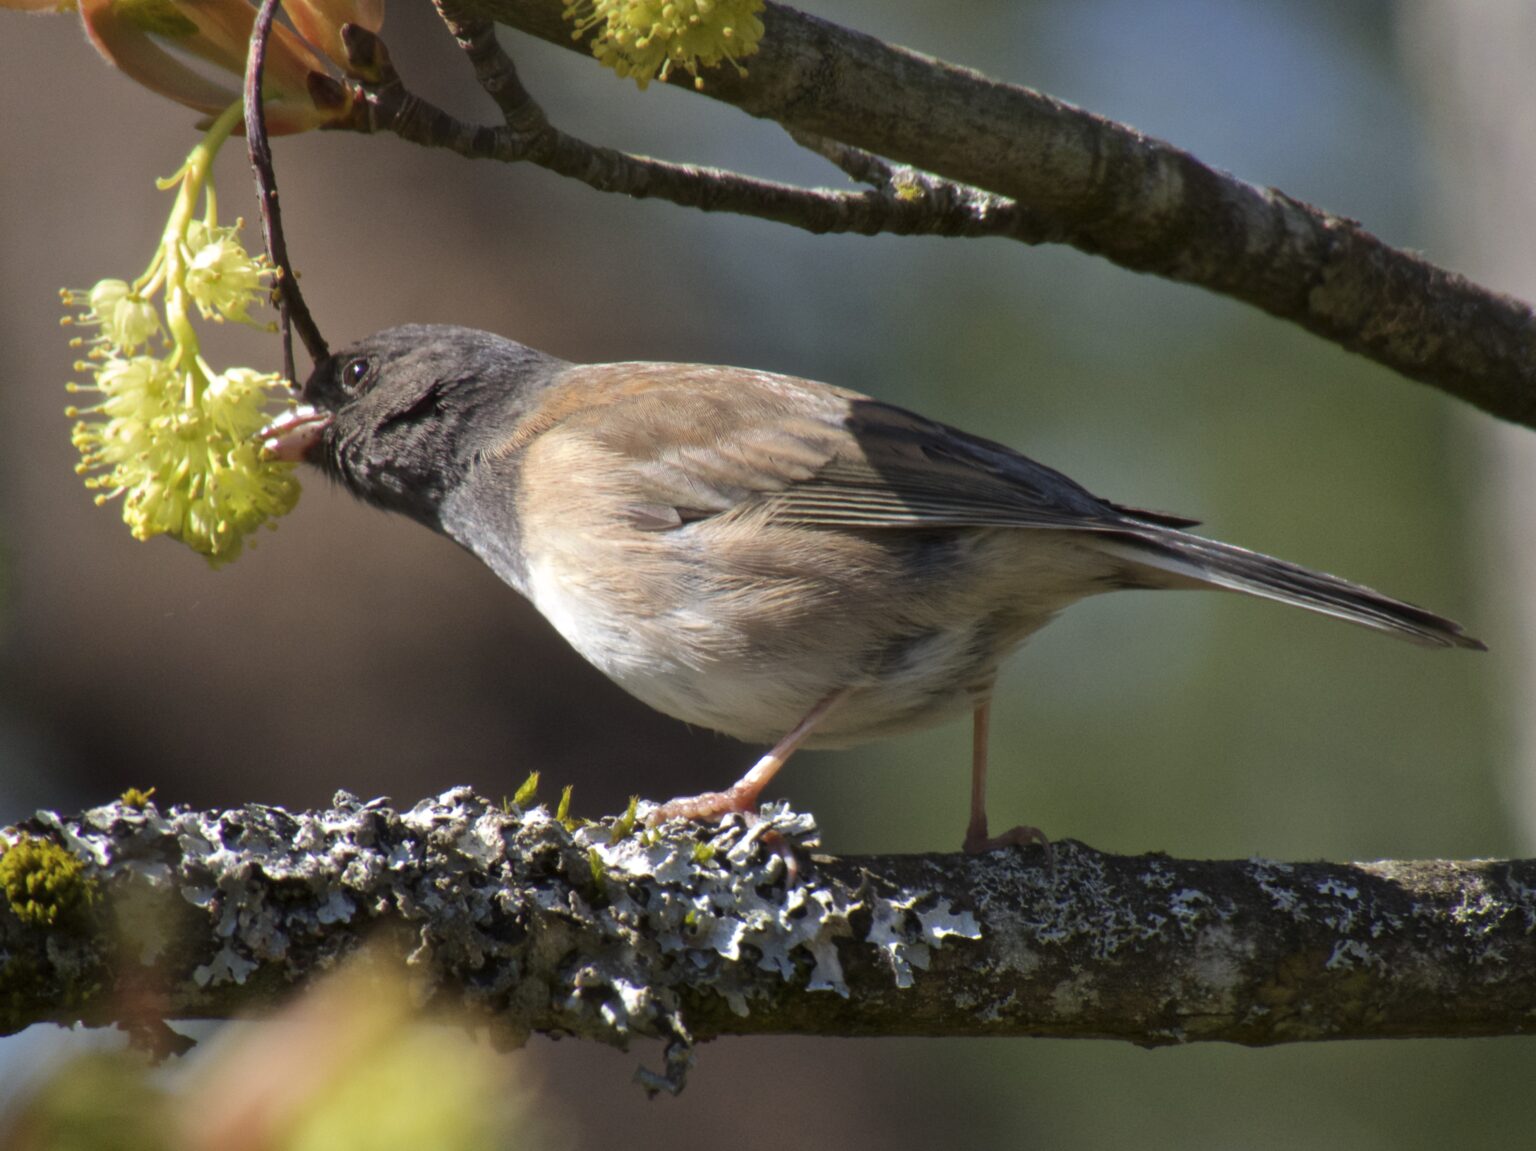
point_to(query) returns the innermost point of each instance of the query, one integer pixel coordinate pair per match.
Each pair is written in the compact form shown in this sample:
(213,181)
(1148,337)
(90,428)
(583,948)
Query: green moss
(44,883)
(528,792)
(625,825)
(137,798)
(563,813)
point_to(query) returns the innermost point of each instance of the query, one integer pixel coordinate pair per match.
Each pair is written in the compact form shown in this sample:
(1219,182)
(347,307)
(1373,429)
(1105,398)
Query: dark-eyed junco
(780,560)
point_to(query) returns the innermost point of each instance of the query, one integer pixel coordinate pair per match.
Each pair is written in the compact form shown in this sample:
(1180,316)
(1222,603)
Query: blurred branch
(1068,176)
(606,934)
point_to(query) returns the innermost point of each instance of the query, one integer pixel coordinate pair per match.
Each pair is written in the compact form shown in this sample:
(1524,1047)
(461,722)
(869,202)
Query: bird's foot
(706,807)
(978,842)
(713,806)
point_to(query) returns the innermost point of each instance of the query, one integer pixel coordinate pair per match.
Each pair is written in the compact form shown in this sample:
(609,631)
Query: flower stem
(173,244)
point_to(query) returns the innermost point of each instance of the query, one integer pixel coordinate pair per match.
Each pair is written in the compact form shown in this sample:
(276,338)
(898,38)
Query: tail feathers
(1196,561)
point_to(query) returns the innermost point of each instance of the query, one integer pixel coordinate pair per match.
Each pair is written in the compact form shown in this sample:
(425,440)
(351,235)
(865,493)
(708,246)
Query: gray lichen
(610,931)
(533,925)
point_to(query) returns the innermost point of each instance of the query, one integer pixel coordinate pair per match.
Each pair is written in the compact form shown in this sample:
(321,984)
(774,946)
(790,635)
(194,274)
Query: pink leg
(977,840)
(742,795)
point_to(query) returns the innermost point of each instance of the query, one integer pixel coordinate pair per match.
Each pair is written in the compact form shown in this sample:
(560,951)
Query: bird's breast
(742,627)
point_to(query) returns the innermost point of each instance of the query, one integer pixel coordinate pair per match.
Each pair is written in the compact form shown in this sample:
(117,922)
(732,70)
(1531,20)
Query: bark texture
(687,933)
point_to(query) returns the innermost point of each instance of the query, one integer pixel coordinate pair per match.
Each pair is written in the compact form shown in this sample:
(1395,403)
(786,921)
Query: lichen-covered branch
(1077,178)
(128,914)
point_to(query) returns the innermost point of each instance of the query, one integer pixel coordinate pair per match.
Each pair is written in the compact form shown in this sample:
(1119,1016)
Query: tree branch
(194,914)
(1102,187)
(902,201)
(292,308)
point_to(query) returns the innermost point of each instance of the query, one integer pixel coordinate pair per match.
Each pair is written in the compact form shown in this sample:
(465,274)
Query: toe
(706,807)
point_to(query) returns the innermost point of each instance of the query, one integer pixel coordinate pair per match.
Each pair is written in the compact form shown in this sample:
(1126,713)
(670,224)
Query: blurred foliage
(349,1066)
(102,1101)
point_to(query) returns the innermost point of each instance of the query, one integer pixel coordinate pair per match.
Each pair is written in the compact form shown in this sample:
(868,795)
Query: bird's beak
(294,436)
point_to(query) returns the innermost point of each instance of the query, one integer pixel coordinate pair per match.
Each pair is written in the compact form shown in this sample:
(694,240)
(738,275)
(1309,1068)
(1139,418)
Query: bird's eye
(354,372)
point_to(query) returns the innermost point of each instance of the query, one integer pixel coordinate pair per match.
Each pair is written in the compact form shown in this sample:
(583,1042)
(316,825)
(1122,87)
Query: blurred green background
(351,650)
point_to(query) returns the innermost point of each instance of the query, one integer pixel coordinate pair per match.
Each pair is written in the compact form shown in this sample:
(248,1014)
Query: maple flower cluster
(646,39)
(174,439)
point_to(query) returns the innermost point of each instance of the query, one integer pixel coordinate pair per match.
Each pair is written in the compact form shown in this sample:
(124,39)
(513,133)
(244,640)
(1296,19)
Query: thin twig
(863,167)
(907,182)
(494,69)
(910,203)
(293,311)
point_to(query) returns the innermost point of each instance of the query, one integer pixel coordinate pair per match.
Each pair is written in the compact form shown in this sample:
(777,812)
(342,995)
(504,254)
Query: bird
(784,561)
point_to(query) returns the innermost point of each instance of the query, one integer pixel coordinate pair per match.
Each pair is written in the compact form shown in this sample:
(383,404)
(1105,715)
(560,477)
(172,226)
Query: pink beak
(294,435)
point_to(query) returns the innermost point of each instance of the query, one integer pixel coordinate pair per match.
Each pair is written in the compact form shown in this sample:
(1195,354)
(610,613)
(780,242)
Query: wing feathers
(701,441)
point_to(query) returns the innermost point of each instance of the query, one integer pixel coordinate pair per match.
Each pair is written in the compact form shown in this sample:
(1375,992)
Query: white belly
(698,662)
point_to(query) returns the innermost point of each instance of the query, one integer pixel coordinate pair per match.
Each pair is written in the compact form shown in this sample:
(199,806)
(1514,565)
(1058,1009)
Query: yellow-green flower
(171,437)
(189,470)
(126,319)
(222,277)
(645,39)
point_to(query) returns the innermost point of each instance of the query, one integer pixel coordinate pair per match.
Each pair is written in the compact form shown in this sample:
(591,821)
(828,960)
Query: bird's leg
(976,838)
(742,795)
(976,832)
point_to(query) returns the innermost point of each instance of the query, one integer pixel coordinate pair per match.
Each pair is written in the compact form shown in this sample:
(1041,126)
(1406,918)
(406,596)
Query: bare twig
(1109,190)
(864,167)
(292,309)
(917,204)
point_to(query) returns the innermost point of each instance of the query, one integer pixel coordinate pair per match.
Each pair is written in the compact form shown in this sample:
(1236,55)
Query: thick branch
(202,914)
(1112,191)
